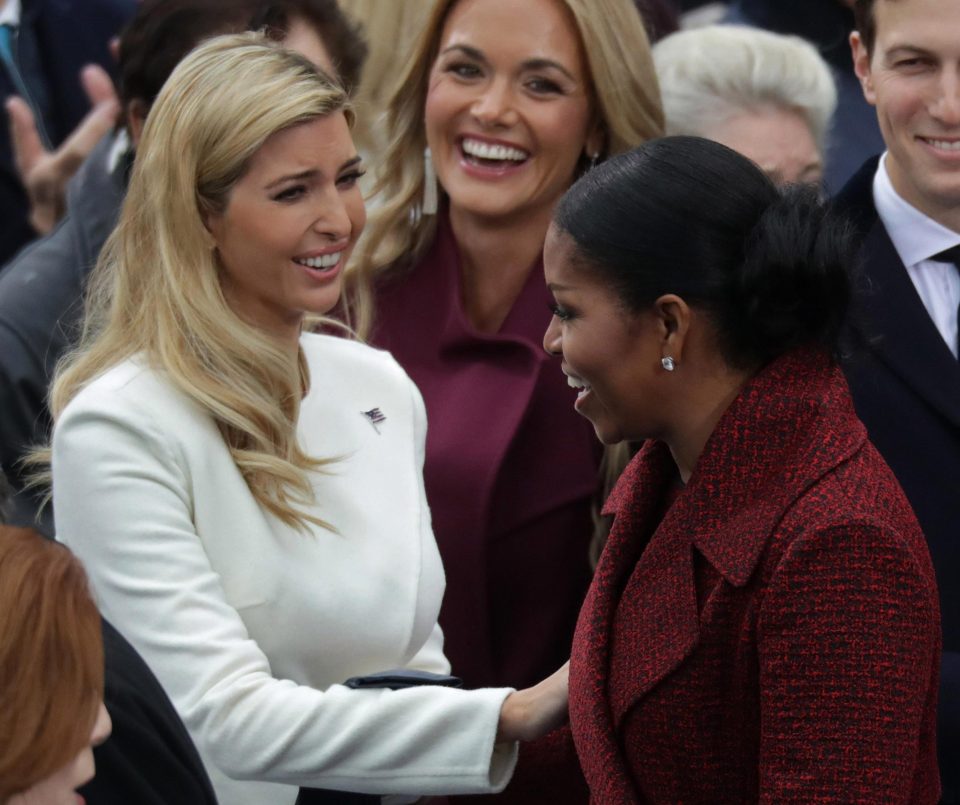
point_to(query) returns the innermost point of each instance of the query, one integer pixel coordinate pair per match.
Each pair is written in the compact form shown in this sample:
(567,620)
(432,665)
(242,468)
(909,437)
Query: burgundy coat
(511,470)
(774,636)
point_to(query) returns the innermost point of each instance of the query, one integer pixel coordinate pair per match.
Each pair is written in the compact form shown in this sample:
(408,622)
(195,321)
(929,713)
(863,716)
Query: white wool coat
(251,625)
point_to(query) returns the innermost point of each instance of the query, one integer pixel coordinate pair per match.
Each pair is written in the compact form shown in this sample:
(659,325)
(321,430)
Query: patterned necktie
(951,255)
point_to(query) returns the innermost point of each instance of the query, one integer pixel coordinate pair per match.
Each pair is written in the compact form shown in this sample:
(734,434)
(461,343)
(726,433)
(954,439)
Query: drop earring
(668,363)
(594,157)
(430,192)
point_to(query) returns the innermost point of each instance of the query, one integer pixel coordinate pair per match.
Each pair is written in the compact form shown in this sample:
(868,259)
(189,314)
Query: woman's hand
(533,712)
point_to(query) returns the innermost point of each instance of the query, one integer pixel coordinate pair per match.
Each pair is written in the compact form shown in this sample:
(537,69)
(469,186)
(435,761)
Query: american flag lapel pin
(374,417)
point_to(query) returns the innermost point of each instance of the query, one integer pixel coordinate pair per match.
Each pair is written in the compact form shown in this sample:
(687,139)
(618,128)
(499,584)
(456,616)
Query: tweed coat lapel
(649,473)
(767,449)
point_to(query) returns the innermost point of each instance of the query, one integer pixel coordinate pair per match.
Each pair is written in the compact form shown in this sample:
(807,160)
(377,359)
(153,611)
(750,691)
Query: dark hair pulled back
(689,216)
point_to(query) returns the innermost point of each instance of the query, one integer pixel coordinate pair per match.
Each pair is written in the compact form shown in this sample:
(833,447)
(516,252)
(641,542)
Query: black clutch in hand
(399,678)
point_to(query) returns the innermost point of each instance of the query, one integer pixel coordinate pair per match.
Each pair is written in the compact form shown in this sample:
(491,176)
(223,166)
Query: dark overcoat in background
(149,758)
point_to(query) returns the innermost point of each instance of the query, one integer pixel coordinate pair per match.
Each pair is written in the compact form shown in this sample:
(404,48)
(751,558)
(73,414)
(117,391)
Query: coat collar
(790,425)
(524,324)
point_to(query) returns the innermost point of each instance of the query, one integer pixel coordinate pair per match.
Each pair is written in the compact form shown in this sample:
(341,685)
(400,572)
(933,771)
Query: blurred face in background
(303,38)
(777,139)
(508,112)
(60,788)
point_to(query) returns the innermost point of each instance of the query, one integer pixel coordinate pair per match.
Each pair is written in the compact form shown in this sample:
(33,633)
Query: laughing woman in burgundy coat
(513,107)
(763,624)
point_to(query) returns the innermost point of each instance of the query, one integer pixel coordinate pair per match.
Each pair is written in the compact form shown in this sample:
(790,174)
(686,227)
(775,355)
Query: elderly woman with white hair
(768,96)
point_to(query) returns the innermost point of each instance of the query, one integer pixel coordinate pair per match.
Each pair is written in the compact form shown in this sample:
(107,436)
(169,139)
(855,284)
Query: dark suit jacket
(774,635)
(40,316)
(906,388)
(149,758)
(57,39)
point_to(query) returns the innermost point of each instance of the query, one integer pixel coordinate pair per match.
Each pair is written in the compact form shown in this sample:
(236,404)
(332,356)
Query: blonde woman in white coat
(247,498)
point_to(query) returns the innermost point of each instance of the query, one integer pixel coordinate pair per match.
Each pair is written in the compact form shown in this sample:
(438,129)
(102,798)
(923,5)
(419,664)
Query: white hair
(710,74)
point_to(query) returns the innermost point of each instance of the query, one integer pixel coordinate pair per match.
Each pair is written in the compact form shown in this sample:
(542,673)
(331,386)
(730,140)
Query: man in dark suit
(901,360)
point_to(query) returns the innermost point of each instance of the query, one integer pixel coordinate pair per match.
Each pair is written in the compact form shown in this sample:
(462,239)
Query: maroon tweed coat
(774,637)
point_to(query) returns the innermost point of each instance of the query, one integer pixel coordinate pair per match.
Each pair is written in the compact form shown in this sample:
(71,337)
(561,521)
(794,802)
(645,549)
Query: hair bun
(792,286)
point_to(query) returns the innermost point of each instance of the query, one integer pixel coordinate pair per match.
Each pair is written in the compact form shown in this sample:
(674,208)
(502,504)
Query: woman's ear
(212,222)
(673,324)
(595,146)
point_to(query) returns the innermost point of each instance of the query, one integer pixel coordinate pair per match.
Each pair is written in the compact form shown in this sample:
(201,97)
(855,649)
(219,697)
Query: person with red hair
(51,672)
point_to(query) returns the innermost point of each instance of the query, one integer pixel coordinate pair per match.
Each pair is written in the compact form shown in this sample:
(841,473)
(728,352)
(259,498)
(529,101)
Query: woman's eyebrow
(350,163)
(547,64)
(535,63)
(471,52)
(290,177)
(311,173)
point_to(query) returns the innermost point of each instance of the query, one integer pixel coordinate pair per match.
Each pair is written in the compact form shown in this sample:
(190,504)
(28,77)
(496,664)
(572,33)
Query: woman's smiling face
(509,112)
(290,224)
(611,355)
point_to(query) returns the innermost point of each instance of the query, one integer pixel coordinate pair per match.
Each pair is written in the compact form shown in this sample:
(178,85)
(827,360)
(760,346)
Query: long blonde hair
(625,95)
(389,28)
(155,291)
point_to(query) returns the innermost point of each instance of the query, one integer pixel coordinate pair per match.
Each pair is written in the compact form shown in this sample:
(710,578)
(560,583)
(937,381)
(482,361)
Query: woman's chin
(607,433)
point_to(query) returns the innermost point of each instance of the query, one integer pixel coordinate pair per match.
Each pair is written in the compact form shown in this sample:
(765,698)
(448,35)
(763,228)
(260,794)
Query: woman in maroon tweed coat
(763,624)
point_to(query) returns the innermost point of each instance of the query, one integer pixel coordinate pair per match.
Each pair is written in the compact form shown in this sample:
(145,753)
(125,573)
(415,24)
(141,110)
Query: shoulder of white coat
(352,361)
(131,390)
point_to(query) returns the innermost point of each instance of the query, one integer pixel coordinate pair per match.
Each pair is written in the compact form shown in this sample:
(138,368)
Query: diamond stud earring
(668,363)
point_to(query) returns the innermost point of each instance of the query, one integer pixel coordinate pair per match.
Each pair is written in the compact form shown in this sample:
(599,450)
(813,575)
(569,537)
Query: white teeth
(501,153)
(324,261)
(945,145)
(576,383)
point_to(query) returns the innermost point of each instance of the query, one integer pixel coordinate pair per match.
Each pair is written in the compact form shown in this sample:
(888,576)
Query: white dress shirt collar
(916,236)
(10,13)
